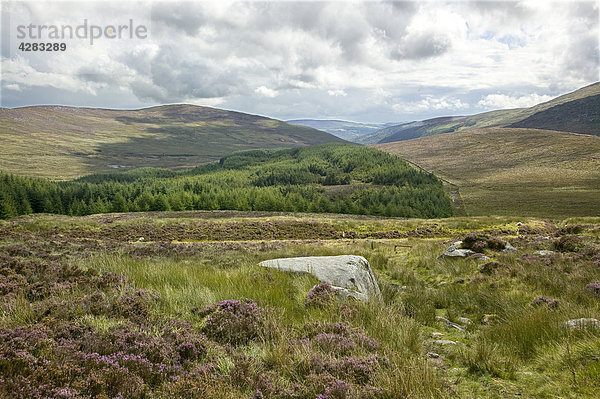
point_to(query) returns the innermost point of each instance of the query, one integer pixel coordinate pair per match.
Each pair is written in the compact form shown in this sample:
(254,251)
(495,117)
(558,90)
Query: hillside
(340,178)
(67,142)
(351,131)
(578,116)
(513,171)
(577,112)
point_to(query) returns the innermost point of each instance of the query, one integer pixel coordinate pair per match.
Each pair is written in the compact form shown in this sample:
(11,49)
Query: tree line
(337,178)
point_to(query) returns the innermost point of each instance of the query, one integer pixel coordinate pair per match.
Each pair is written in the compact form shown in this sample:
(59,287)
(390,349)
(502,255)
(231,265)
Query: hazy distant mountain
(351,131)
(577,112)
(66,142)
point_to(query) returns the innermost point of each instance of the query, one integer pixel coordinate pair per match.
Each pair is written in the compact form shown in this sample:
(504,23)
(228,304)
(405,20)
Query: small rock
(465,320)
(489,318)
(449,323)
(398,288)
(141,239)
(433,355)
(444,342)
(519,224)
(582,324)
(480,257)
(545,238)
(544,252)
(525,372)
(594,288)
(454,251)
(442,283)
(508,248)
(437,334)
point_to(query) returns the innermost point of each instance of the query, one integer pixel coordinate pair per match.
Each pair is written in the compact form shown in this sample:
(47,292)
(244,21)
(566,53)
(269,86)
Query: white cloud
(265,92)
(13,86)
(431,103)
(494,101)
(337,93)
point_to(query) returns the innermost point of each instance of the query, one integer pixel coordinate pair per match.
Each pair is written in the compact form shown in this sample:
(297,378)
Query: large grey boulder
(349,275)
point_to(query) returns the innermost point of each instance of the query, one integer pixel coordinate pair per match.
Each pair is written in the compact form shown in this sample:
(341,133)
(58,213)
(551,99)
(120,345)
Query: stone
(437,334)
(454,251)
(543,253)
(464,320)
(444,342)
(582,324)
(349,275)
(141,239)
(398,288)
(433,355)
(508,248)
(594,288)
(449,323)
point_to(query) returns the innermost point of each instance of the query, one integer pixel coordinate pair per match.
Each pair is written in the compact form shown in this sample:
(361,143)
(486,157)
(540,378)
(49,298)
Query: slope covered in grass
(89,311)
(575,112)
(513,171)
(339,178)
(66,142)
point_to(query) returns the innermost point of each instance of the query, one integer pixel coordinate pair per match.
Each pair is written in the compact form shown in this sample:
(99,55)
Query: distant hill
(578,116)
(506,171)
(66,142)
(350,131)
(577,112)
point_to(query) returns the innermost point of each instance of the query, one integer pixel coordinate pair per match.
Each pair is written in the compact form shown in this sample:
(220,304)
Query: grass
(518,350)
(174,137)
(510,172)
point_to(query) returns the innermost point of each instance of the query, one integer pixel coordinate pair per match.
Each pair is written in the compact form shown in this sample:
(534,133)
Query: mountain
(65,142)
(351,131)
(509,171)
(577,112)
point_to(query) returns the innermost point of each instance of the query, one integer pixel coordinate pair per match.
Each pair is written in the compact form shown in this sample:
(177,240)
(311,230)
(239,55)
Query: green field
(62,143)
(110,309)
(503,171)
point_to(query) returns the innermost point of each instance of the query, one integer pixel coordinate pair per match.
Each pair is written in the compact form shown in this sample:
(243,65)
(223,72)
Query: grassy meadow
(95,308)
(502,171)
(63,143)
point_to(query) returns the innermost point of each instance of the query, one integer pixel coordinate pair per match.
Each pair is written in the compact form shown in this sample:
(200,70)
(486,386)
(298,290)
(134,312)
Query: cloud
(265,92)
(494,101)
(430,102)
(375,61)
(337,93)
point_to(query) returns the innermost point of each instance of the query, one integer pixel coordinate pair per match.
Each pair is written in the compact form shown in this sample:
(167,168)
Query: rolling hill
(577,112)
(510,171)
(351,131)
(65,142)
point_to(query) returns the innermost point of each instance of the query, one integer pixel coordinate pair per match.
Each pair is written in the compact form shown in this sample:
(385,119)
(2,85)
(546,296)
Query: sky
(361,61)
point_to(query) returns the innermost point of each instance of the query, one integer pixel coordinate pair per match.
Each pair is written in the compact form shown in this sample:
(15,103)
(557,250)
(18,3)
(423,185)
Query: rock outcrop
(349,275)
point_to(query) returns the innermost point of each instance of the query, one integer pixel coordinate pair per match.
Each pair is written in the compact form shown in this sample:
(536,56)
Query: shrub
(233,322)
(320,295)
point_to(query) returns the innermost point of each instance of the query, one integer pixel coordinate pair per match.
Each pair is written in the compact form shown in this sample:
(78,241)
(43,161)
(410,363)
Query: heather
(91,311)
